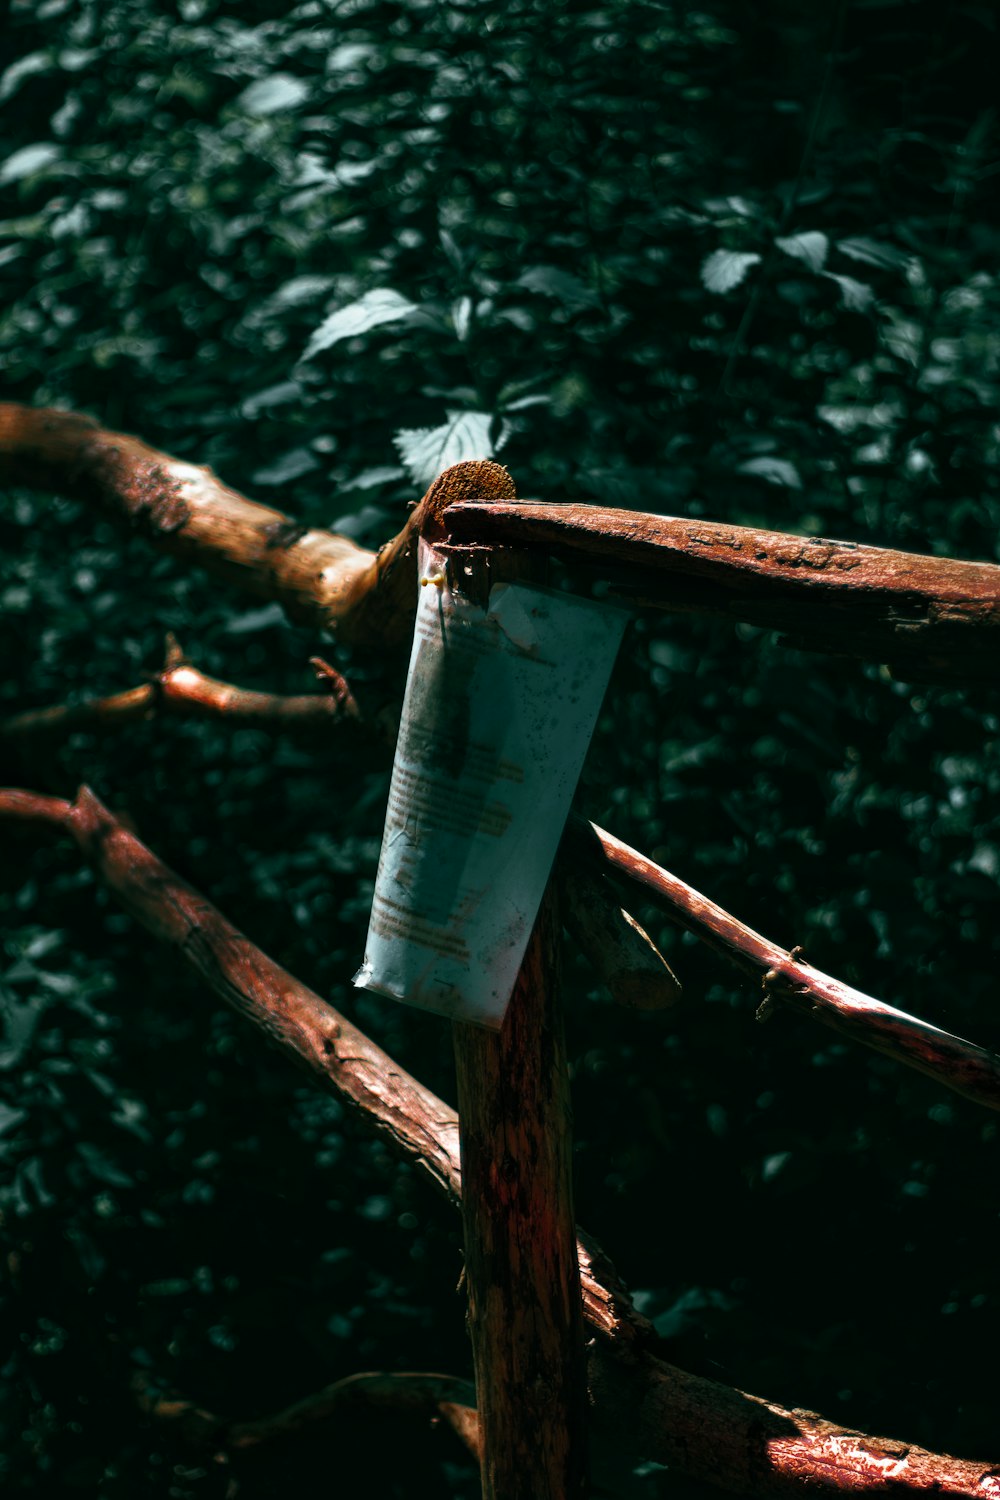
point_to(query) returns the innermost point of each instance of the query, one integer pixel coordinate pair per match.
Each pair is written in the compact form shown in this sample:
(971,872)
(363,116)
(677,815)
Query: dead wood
(321,578)
(930,618)
(786,977)
(182,691)
(521,1266)
(418,1393)
(643,1407)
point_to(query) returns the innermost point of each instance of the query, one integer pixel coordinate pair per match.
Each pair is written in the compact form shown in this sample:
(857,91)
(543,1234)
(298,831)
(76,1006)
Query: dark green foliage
(735,262)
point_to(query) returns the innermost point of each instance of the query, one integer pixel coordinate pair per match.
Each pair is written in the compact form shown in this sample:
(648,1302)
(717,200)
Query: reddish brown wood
(417,1124)
(738,1442)
(184,692)
(926,615)
(521,1267)
(646,1409)
(950,1060)
(319,577)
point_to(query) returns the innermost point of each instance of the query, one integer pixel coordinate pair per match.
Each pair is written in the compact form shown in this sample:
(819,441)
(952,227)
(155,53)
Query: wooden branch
(321,578)
(647,1408)
(931,617)
(753,1447)
(412,1120)
(622,954)
(950,1060)
(181,690)
(521,1270)
(438,1397)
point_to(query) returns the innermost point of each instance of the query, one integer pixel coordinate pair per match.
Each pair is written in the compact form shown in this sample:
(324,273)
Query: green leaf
(561,286)
(811,248)
(725,269)
(380,305)
(268,96)
(874,253)
(856,296)
(774,470)
(28,160)
(426,451)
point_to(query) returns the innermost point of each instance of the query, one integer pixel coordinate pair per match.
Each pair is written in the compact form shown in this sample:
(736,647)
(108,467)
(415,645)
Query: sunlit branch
(786,977)
(928,617)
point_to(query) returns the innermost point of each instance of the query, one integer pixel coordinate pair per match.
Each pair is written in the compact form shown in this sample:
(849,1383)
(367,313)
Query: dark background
(735,262)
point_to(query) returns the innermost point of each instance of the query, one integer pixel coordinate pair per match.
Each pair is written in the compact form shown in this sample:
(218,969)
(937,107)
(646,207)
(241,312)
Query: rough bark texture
(741,1443)
(412,1120)
(645,1409)
(786,977)
(929,617)
(521,1268)
(320,578)
(181,690)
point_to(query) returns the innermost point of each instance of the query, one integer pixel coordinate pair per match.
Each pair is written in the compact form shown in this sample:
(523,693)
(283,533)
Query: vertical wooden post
(521,1264)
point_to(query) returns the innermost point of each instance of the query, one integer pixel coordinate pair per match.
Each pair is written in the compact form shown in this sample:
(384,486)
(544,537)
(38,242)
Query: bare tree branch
(181,690)
(930,617)
(644,1407)
(950,1060)
(439,1397)
(320,578)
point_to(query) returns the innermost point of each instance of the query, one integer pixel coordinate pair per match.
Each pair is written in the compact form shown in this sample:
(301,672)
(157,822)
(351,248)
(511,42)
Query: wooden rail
(927,617)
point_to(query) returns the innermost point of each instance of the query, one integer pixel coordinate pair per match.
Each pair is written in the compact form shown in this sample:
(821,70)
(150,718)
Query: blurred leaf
(874,253)
(811,248)
(270,95)
(29,160)
(291,465)
(380,305)
(725,269)
(562,286)
(856,296)
(774,470)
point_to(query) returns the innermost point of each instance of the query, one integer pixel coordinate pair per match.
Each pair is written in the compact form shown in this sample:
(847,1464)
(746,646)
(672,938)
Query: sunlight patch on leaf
(29,159)
(380,305)
(289,466)
(426,451)
(874,253)
(725,269)
(856,296)
(811,248)
(268,96)
(561,286)
(774,470)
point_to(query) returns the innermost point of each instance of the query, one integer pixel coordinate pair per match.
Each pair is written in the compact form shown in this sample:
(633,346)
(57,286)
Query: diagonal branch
(321,578)
(644,1408)
(949,1060)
